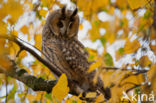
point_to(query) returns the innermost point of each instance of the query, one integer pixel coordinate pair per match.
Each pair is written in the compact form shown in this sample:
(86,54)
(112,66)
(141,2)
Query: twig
(21,49)
(128,75)
(132,70)
(136,86)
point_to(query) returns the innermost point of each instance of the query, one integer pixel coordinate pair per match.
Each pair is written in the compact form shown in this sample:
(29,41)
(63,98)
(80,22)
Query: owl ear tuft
(63,10)
(74,12)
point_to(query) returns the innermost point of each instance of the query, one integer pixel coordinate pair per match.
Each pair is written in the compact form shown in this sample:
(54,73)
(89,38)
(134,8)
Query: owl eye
(60,24)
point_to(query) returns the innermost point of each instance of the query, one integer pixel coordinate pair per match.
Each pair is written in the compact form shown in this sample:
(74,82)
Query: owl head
(63,22)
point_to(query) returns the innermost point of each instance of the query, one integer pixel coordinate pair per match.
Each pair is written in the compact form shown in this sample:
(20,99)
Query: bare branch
(19,52)
(123,69)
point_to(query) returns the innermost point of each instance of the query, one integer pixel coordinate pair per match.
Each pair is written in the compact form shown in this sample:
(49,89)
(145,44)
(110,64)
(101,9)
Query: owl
(61,47)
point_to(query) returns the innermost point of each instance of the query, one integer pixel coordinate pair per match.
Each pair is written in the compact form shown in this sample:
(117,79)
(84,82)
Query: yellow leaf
(134,4)
(100,4)
(92,54)
(12,53)
(13,50)
(111,38)
(47,3)
(23,54)
(91,95)
(152,77)
(153,48)
(43,12)
(47,72)
(5,63)
(14,8)
(138,79)
(15,33)
(81,26)
(38,39)
(100,98)
(3,28)
(37,68)
(31,97)
(122,3)
(24,29)
(61,89)
(3,50)
(131,47)
(151,72)
(154,84)
(74,98)
(28,70)
(116,92)
(39,96)
(94,66)
(144,61)
(107,78)
(153,36)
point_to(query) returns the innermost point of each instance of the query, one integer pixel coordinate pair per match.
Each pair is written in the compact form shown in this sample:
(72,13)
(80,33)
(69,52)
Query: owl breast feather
(75,56)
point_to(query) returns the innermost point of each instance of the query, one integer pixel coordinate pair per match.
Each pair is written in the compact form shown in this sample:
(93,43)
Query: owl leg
(105,91)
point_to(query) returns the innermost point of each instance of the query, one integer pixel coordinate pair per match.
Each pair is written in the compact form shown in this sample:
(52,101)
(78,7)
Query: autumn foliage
(120,36)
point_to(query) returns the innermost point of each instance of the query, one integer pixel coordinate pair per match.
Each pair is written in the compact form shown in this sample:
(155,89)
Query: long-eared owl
(62,48)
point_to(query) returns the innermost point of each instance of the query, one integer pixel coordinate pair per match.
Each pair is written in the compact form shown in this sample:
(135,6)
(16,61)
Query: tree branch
(136,86)
(38,57)
(37,84)
(132,70)
(32,81)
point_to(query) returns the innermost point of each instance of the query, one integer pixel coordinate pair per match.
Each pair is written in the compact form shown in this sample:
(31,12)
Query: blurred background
(116,33)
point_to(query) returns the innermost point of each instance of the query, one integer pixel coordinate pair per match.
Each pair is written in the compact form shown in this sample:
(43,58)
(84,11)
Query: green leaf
(121,23)
(74,101)
(103,41)
(147,14)
(108,59)
(12,93)
(2,97)
(96,23)
(121,51)
(48,96)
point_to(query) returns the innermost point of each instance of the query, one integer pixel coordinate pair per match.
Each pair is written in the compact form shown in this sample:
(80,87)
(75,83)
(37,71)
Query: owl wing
(74,55)
(55,56)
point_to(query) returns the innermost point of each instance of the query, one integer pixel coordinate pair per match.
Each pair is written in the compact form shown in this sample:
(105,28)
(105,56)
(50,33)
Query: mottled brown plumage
(63,49)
